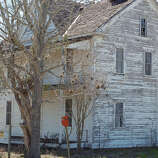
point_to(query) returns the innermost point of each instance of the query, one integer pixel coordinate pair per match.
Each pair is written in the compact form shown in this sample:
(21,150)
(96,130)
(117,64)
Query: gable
(132,14)
(94,16)
(97,15)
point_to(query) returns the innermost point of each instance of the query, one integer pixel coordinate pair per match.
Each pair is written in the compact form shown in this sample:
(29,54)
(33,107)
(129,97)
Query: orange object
(65,121)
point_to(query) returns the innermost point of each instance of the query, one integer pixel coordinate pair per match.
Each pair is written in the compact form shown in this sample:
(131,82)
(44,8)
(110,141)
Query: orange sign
(65,121)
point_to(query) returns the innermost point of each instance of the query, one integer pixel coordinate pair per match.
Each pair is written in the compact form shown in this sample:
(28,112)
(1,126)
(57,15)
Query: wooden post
(65,123)
(9,140)
(67,140)
(8,122)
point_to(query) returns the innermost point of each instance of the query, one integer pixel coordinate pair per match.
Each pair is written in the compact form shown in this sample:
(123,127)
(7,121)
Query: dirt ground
(17,152)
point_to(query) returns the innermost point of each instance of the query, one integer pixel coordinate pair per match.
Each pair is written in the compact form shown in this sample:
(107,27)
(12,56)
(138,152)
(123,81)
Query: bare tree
(82,86)
(24,57)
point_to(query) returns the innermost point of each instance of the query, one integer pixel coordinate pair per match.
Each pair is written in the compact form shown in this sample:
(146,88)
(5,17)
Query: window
(143,27)
(69,61)
(68,110)
(148,63)
(8,113)
(119,60)
(119,115)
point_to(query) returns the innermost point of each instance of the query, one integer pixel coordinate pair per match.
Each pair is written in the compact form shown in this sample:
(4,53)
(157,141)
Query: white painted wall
(137,91)
(51,114)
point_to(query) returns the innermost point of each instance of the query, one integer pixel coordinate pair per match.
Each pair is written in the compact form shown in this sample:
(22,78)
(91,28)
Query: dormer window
(143,27)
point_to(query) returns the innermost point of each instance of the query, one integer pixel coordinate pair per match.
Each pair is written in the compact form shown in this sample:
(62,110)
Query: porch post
(61,109)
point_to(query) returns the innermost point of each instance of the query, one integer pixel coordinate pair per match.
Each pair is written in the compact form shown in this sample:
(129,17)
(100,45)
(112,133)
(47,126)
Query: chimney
(116,2)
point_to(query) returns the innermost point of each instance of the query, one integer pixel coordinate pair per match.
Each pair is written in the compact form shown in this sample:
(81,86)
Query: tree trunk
(78,142)
(80,134)
(35,118)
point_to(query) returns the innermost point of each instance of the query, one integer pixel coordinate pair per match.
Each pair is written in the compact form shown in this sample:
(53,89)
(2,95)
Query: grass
(150,153)
(106,153)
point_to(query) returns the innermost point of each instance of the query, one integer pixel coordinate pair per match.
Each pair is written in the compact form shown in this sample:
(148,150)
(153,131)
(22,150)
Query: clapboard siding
(137,91)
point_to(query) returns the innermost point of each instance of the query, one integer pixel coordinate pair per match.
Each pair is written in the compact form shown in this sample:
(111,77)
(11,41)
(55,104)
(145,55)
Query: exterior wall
(16,117)
(137,91)
(51,113)
(53,108)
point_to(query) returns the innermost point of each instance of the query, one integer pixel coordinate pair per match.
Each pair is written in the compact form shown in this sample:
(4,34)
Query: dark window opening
(68,110)
(148,63)
(119,115)
(143,28)
(8,113)
(119,61)
(116,2)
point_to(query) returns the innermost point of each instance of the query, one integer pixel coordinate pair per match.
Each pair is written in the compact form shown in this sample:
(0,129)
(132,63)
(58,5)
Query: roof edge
(85,35)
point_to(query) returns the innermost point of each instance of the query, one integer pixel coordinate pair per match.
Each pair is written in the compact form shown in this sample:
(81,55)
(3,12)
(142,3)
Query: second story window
(148,63)
(68,110)
(8,113)
(119,115)
(69,61)
(143,27)
(119,60)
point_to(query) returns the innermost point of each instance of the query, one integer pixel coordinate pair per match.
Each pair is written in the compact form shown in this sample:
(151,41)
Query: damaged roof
(64,13)
(93,16)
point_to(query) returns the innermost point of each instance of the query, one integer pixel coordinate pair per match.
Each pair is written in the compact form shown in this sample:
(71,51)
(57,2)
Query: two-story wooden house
(123,38)
(122,35)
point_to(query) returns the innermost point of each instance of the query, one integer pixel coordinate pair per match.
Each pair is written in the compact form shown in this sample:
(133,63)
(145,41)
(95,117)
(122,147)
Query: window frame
(146,27)
(123,124)
(69,65)
(145,64)
(120,73)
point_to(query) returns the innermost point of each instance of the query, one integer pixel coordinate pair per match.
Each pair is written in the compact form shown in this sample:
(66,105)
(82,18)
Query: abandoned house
(122,35)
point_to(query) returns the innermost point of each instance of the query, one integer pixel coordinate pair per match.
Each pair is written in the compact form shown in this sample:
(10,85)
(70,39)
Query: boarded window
(119,60)
(8,113)
(148,63)
(119,115)
(68,110)
(69,61)
(143,27)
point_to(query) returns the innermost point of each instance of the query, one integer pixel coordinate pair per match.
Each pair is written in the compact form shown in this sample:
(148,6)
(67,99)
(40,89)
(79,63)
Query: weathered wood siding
(138,92)
(53,108)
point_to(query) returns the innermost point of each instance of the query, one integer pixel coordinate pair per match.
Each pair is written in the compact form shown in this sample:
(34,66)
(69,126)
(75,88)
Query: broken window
(119,60)
(143,29)
(119,115)
(68,110)
(8,113)
(148,63)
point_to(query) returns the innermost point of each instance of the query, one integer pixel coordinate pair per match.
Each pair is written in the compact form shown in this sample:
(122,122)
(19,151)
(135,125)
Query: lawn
(106,153)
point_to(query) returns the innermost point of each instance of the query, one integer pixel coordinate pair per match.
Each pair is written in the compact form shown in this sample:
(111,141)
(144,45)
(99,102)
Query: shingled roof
(94,16)
(64,13)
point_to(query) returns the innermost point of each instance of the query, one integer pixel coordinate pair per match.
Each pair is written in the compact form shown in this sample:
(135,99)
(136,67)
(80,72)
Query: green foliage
(151,153)
(154,153)
(142,155)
